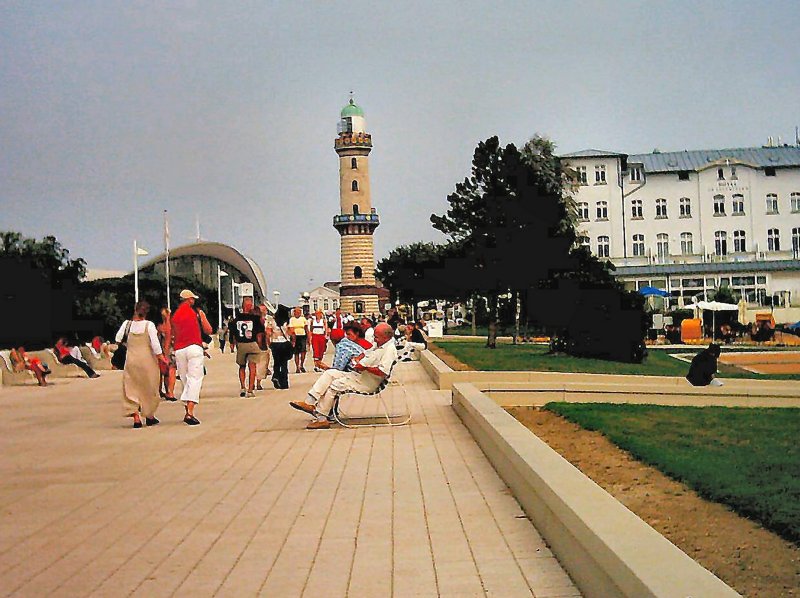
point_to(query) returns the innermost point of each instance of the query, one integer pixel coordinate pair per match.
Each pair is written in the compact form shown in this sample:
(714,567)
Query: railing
(357,139)
(356,219)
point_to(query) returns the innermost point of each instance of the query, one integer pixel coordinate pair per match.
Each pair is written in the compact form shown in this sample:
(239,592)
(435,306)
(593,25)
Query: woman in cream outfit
(140,379)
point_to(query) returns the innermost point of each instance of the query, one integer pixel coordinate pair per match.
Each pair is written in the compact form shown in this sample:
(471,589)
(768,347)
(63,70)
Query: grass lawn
(525,357)
(748,459)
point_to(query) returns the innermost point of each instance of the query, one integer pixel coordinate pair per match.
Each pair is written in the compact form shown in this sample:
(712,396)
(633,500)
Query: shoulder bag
(119,356)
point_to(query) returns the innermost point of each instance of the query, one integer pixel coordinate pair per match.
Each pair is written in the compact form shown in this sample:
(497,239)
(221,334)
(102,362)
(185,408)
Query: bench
(386,419)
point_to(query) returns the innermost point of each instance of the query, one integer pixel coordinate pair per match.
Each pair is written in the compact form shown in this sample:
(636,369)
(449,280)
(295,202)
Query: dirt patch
(451,361)
(752,560)
(784,362)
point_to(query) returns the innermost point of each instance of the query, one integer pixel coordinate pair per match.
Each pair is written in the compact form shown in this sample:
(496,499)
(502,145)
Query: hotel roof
(758,157)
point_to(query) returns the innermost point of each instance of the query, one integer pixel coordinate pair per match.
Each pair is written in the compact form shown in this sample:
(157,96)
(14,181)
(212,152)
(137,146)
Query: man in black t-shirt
(248,330)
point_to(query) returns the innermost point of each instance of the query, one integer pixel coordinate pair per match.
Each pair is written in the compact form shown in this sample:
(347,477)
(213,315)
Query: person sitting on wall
(70,355)
(369,371)
(21,362)
(703,368)
(415,344)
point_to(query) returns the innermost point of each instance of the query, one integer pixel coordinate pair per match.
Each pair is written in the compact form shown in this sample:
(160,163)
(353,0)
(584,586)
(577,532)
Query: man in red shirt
(187,323)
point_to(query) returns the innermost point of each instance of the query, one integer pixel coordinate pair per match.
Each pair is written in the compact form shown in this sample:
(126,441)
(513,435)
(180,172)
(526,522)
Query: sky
(113,111)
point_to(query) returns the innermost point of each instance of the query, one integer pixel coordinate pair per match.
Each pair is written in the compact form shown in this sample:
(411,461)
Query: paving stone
(251,503)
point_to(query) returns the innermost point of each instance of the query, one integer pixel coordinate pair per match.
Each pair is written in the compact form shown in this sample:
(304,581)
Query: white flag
(140,251)
(166,232)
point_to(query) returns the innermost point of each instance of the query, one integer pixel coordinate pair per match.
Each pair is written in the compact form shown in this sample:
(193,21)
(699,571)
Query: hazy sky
(111,112)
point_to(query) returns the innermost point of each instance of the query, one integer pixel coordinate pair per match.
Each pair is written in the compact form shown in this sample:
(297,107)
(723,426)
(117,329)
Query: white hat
(187,294)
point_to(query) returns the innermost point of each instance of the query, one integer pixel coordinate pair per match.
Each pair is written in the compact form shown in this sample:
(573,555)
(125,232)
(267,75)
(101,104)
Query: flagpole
(166,248)
(135,272)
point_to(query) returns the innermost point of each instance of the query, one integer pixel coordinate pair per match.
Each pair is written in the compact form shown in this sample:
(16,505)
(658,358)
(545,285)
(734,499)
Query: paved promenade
(249,503)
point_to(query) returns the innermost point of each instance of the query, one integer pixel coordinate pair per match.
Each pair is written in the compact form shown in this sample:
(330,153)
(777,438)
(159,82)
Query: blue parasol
(647,291)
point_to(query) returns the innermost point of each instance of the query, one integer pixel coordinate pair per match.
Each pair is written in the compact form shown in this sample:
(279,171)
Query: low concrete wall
(658,391)
(438,371)
(608,551)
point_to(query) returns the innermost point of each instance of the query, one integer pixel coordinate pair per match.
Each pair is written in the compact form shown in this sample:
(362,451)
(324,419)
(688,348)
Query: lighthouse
(357,219)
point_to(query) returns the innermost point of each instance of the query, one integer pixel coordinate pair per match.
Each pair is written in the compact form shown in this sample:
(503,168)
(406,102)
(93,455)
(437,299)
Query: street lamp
(233,295)
(220,274)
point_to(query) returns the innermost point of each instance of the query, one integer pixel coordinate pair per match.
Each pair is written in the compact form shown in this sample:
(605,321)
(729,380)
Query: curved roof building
(201,260)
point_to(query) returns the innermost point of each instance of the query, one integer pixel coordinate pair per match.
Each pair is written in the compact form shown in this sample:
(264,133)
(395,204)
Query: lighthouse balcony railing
(356,219)
(344,139)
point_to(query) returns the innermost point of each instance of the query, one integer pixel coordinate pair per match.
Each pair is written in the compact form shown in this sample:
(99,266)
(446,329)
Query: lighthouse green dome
(352,109)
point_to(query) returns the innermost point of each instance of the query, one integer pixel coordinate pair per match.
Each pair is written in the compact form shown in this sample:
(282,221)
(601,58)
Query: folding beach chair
(384,419)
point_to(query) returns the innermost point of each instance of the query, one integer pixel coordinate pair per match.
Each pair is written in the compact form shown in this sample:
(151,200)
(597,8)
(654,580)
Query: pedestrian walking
(249,333)
(281,347)
(140,376)
(262,369)
(167,367)
(222,334)
(298,329)
(319,337)
(188,326)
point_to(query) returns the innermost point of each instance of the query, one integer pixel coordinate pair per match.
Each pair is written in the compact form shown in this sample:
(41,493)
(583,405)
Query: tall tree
(47,255)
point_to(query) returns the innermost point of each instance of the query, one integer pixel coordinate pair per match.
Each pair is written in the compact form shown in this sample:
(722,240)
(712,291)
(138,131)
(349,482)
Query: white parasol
(714,307)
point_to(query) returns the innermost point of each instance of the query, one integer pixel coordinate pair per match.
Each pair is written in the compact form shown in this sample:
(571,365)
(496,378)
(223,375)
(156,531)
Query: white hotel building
(692,221)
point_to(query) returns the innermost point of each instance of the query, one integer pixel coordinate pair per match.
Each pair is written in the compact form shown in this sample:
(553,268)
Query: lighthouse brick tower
(357,219)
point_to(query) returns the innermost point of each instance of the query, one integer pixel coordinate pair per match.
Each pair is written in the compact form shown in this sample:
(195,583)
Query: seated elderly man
(369,371)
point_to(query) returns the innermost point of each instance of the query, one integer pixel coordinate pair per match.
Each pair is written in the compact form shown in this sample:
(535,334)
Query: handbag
(118,358)
(206,338)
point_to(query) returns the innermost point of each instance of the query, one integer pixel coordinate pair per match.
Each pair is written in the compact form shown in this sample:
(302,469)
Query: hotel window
(603,246)
(721,242)
(720,174)
(580,172)
(638,245)
(316,304)
(769,171)
(686,207)
(662,246)
(325,305)
(795,202)
(686,243)
(583,241)
(774,239)
(636,174)
(719,205)
(739,241)
(636,208)
(602,210)
(661,208)
(733,174)
(683,175)
(353,163)
(772,203)
(600,174)
(583,211)
(738,204)
(796,242)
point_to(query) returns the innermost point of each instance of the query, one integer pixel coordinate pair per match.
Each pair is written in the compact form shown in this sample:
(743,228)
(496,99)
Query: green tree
(46,255)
